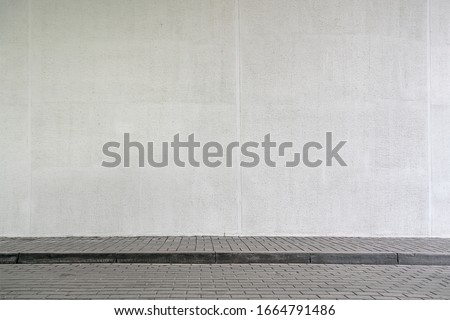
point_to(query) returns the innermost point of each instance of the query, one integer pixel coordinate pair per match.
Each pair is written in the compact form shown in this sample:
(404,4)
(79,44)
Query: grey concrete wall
(440,117)
(76,74)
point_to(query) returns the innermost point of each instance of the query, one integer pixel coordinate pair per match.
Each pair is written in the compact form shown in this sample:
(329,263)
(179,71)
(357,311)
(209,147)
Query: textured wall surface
(358,69)
(440,117)
(76,74)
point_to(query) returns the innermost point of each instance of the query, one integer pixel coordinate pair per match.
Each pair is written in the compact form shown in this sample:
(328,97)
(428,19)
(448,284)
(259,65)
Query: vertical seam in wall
(430,164)
(30,195)
(238,111)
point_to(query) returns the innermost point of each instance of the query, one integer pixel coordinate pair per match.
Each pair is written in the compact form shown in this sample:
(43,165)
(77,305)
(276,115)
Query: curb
(370,258)
(167,257)
(354,258)
(8,258)
(263,257)
(437,259)
(49,258)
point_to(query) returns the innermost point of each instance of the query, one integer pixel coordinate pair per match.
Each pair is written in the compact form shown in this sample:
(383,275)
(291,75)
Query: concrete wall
(440,117)
(76,74)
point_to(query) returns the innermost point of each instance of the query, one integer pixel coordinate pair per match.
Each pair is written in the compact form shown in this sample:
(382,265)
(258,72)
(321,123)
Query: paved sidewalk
(223,281)
(208,249)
